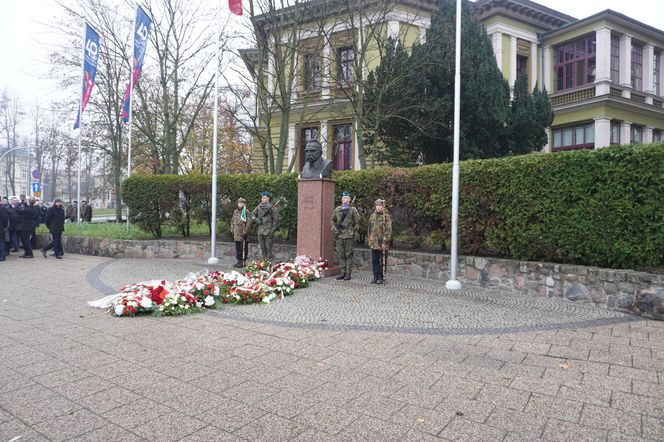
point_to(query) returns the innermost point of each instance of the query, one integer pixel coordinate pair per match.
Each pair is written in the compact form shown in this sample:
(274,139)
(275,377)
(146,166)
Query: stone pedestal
(315,204)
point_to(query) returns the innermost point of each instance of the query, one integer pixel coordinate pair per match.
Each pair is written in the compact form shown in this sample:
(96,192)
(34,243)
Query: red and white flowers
(262,283)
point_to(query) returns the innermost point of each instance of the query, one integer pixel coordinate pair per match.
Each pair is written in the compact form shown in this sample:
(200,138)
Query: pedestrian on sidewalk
(55,221)
(4,235)
(25,226)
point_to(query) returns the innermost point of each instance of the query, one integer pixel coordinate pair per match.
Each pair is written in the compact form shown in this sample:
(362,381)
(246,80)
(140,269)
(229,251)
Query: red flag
(235,6)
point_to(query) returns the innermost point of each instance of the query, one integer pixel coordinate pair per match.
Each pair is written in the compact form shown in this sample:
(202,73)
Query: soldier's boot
(347,277)
(341,276)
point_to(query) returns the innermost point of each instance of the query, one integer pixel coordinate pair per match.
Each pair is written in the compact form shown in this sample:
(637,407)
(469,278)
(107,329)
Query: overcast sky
(25,38)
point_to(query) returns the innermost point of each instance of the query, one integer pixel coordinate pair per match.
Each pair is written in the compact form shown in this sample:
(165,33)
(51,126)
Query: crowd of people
(21,216)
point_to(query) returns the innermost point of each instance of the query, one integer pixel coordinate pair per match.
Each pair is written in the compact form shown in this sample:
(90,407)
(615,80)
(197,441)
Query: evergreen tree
(530,115)
(419,124)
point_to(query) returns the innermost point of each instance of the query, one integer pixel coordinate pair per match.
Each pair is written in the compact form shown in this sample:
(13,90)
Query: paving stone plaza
(407,361)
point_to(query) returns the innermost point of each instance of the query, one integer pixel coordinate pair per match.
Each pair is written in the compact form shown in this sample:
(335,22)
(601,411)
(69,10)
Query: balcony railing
(573,96)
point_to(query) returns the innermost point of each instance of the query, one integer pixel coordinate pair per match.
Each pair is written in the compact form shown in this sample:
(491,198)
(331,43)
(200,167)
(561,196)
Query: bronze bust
(315,166)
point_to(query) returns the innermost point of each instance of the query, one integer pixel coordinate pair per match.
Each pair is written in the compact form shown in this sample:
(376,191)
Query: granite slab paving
(337,361)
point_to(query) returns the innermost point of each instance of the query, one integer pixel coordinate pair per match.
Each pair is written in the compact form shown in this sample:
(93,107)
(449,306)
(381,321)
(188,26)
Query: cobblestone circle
(404,304)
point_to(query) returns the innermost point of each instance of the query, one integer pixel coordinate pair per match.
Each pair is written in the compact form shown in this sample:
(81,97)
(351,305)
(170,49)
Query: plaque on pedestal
(315,204)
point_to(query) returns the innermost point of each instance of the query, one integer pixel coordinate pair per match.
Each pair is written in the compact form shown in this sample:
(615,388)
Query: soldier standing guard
(380,231)
(241,224)
(265,217)
(345,224)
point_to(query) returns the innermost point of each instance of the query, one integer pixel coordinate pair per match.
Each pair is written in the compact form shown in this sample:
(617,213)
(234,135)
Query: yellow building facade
(604,73)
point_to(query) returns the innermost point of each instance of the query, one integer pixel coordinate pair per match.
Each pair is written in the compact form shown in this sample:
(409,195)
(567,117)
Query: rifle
(340,225)
(260,219)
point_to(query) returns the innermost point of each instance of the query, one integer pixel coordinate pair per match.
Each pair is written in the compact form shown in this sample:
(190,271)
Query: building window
(656,136)
(615,132)
(575,63)
(345,59)
(343,143)
(24,174)
(655,71)
(521,66)
(306,134)
(576,137)
(637,66)
(311,72)
(636,134)
(615,59)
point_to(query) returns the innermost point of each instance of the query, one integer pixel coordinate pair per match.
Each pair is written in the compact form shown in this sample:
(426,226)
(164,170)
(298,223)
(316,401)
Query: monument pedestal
(315,204)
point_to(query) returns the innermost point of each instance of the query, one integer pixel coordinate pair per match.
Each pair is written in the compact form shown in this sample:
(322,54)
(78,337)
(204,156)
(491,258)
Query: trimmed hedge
(603,207)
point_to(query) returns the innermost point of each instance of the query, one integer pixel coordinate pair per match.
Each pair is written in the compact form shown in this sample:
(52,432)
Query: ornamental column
(546,69)
(648,73)
(603,61)
(626,132)
(512,77)
(602,132)
(626,65)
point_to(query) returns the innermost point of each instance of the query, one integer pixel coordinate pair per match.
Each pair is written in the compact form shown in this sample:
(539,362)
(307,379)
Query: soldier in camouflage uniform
(265,217)
(380,231)
(241,224)
(345,224)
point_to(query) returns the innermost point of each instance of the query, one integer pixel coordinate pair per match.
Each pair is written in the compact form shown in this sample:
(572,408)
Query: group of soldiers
(265,217)
(345,224)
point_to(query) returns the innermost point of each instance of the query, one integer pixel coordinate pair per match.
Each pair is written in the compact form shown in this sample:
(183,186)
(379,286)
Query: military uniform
(241,225)
(266,218)
(380,232)
(345,224)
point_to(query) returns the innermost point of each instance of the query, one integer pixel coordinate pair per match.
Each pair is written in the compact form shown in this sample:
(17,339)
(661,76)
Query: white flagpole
(453,283)
(80,134)
(213,240)
(131,93)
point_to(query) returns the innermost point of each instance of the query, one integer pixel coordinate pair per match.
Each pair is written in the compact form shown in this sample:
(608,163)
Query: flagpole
(131,93)
(213,240)
(453,283)
(80,133)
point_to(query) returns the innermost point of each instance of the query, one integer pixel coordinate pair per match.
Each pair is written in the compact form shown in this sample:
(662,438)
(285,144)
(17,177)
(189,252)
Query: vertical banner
(235,6)
(90,57)
(141,31)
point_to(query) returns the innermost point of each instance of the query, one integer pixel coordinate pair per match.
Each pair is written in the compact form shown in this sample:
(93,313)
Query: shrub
(599,207)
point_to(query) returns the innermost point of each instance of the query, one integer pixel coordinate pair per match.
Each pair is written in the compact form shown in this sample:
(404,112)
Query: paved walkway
(337,361)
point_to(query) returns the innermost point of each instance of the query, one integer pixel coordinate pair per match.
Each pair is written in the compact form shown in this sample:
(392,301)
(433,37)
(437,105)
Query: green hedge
(603,207)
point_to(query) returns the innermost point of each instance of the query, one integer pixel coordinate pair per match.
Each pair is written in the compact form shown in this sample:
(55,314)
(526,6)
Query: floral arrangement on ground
(261,283)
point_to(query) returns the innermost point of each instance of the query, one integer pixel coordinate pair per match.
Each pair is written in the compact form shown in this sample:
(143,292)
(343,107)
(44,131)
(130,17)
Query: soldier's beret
(379,202)
(345,193)
(241,200)
(266,194)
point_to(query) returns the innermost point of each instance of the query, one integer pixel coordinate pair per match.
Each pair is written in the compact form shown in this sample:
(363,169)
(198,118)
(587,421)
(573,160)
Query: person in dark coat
(13,221)
(25,226)
(86,212)
(55,221)
(4,225)
(36,220)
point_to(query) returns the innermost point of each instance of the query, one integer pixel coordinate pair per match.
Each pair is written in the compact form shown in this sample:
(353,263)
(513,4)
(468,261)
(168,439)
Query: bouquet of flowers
(132,304)
(181,303)
(206,291)
(281,286)
(254,291)
(255,266)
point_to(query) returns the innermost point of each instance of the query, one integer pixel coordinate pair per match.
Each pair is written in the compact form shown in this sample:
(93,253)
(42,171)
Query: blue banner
(141,32)
(90,57)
